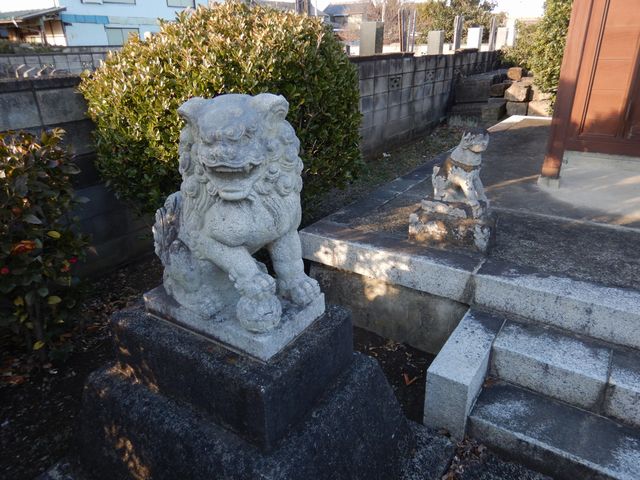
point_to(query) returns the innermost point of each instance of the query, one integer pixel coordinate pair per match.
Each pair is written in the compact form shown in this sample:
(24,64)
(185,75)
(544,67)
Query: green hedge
(229,48)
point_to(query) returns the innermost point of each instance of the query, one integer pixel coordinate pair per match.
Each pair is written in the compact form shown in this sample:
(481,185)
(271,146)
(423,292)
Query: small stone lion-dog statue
(458,212)
(240,192)
(458,178)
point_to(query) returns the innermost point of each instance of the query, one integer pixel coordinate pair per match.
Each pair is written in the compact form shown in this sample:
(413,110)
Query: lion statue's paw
(301,291)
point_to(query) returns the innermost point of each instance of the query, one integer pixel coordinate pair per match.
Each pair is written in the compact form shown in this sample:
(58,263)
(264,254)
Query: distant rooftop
(21,15)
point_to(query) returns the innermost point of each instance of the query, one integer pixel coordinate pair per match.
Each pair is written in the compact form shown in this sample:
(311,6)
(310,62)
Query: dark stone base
(176,405)
(356,431)
(259,401)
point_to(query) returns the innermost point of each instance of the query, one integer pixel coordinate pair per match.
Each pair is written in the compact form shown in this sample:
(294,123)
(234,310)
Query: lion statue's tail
(167,226)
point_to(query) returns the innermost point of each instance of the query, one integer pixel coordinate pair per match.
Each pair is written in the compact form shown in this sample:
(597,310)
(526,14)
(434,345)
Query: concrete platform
(548,263)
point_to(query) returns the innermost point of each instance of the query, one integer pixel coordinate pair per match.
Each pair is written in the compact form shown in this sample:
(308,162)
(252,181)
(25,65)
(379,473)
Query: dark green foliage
(439,15)
(38,242)
(229,48)
(520,54)
(548,48)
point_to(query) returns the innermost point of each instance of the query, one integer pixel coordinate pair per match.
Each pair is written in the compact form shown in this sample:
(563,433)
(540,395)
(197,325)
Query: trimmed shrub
(229,48)
(550,40)
(38,244)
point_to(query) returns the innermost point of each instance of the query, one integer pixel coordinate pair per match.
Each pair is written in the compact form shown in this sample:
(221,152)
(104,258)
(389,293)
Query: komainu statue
(240,193)
(458,213)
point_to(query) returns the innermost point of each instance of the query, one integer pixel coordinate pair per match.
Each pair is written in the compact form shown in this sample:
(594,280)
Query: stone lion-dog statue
(458,178)
(240,192)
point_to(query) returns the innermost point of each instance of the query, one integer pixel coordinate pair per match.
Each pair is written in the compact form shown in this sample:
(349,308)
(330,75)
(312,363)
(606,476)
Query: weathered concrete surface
(549,362)
(406,315)
(623,395)
(455,377)
(557,439)
(610,314)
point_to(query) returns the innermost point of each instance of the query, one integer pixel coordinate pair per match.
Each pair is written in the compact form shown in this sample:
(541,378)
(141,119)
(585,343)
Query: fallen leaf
(408,381)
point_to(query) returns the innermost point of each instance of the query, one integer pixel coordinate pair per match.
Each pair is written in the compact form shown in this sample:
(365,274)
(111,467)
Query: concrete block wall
(403,96)
(33,104)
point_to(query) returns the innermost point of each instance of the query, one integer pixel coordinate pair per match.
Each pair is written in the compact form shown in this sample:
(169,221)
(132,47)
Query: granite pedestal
(179,405)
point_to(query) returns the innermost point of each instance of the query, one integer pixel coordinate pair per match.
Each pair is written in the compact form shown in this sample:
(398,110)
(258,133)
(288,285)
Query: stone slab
(356,431)
(518,92)
(623,394)
(258,401)
(555,438)
(515,73)
(392,260)
(18,110)
(226,328)
(498,89)
(546,361)
(517,108)
(61,105)
(493,111)
(455,377)
(605,313)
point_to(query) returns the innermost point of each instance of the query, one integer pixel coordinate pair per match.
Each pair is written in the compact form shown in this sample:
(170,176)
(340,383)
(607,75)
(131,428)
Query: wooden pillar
(569,71)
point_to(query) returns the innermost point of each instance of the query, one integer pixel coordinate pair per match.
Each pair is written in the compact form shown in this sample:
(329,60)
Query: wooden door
(605,116)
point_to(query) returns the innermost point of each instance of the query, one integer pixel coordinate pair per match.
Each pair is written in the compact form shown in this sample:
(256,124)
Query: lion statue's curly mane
(240,192)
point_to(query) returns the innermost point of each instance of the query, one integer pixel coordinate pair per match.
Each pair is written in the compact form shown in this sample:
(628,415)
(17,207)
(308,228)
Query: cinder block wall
(69,59)
(33,104)
(402,97)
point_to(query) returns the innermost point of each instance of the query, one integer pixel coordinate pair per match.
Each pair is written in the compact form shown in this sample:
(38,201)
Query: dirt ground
(39,404)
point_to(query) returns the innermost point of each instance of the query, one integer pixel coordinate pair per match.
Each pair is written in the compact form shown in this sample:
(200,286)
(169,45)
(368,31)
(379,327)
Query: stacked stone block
(523,97)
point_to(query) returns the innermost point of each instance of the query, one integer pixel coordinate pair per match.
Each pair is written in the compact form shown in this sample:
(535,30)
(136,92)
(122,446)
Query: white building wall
(81,29)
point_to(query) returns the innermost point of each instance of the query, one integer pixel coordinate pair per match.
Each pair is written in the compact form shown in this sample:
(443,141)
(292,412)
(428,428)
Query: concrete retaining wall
(402,96)
(33,104)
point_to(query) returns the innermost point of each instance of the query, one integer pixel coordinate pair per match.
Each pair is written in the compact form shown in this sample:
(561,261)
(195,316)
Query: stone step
(553,437)
(593,375)
(544,360)
(588,309)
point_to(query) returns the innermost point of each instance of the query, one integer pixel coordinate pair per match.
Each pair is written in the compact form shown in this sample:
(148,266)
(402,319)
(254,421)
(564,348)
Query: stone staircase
(565,404)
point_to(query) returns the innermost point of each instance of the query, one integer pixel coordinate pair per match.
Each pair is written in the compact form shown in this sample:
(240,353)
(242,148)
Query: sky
(515,8)
(521,8)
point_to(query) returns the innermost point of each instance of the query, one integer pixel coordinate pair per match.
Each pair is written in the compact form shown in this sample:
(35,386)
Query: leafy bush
(540,47)
(38,244)
(229,48)
(550,40)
